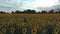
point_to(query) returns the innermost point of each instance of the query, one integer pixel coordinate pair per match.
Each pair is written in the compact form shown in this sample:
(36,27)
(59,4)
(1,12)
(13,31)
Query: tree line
(28,11)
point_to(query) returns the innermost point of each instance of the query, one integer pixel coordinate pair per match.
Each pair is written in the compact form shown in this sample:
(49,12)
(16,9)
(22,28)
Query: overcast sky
(27,4)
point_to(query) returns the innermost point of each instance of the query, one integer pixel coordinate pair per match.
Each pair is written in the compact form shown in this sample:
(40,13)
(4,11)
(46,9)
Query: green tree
(43,12)
(1,12)
(38,12)
(12,12)
(51,11)
(29,11)
(59,11)
(17,11)
(56,12)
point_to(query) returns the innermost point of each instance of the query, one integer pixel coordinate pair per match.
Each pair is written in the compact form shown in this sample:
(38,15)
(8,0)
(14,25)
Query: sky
(26,4)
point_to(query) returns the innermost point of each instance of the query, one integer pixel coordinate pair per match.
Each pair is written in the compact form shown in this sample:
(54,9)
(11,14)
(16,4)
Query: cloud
(10,3)
(25,4)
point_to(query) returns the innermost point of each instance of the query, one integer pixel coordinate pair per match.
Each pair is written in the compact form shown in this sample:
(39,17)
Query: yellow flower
(37,26)
(1,24)
(20,24)
(24,30)
(34,30)
(43,24)
(12,29)
(12,20)
(30,24)
(56,30)
(33,27)
(28,16)
(3,29)
(57,23)
(44,30)
(19,19)
(24,24)
(4,23)
(50,23)
(1,33)
(7,24)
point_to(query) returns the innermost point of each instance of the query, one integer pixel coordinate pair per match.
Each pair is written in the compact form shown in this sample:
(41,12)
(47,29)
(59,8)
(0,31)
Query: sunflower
(23,24)
(7,24)
(34,31)
(24,30)
(18,23)
(37,26)
(1,24)
(44,30)
(30,24)
(56,30)
(12,20)
(19,19)
(1,33)
(58,24)
(28,16)
(4,23)
(33,19)
(12,29)
(50,23)
(3,29)
(43,24)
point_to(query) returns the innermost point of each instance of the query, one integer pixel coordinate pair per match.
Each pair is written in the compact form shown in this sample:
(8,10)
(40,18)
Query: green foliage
(43,11)
(51,11)
(29,11)
(1,12)
(17,11)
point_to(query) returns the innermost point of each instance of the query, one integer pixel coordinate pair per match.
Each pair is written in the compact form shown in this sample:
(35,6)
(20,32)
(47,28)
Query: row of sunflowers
(29,23)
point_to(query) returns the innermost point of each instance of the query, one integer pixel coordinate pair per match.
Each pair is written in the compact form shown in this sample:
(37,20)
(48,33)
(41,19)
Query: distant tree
(59,11)
(12,12)
(56,12)
(51,11)
(7,13)
(38,12)
(17,11)
(43,11)
(29,11)
(2,12)
(33,11)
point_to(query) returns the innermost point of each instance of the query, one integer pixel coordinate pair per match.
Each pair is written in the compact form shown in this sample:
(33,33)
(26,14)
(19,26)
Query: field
(29,23)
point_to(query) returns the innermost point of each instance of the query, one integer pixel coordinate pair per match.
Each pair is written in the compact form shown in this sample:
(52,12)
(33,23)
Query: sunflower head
(44,30)
(56,30)
(1,24)
(12,29)
(24,30)
(4,30)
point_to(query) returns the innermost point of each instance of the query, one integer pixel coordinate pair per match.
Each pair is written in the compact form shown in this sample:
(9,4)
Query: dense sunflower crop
(29,23)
